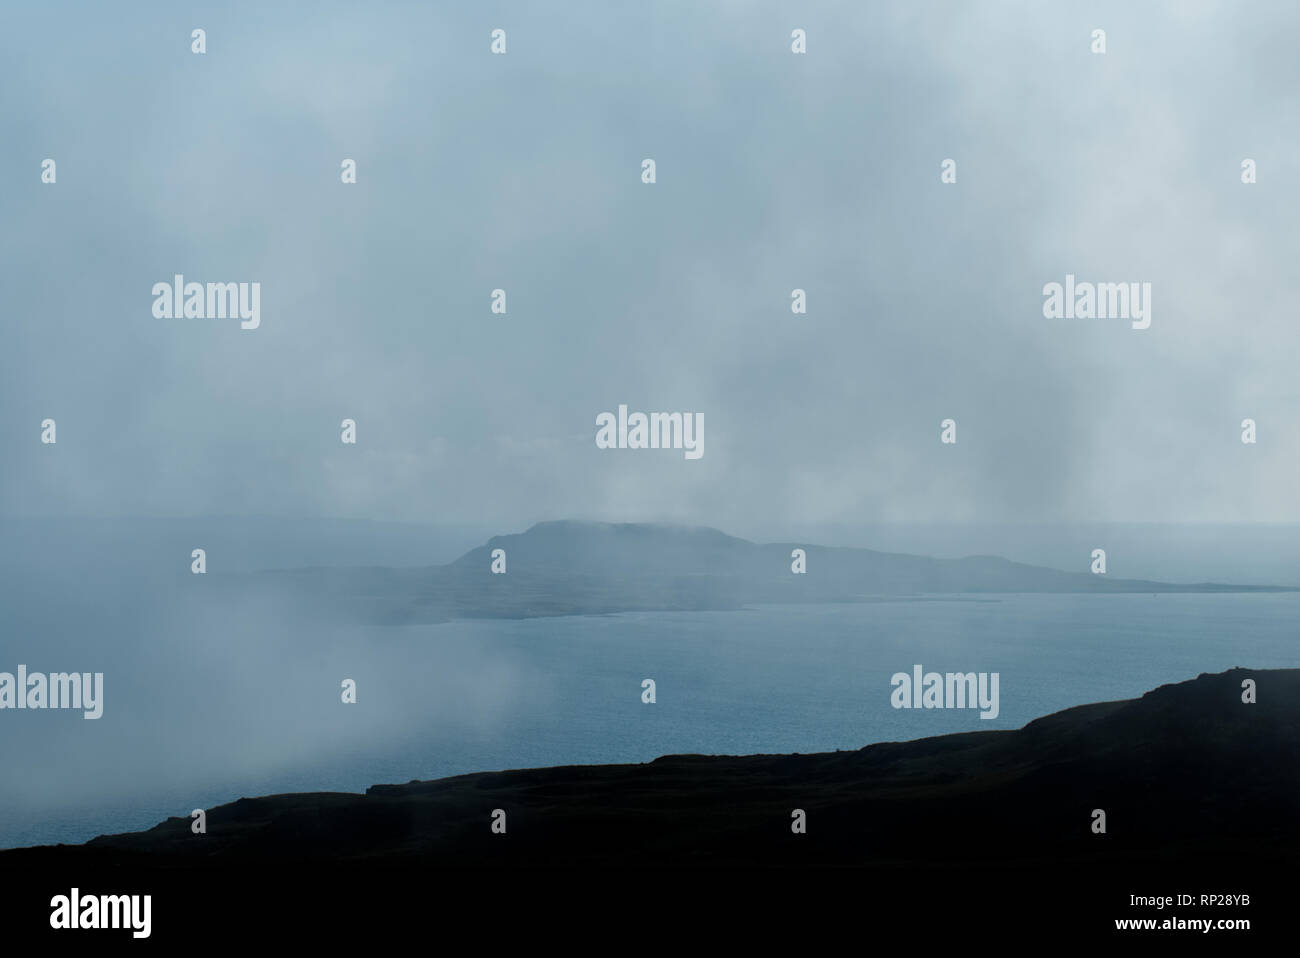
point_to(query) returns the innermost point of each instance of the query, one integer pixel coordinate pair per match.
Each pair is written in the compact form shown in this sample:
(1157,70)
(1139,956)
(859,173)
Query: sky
(775,171)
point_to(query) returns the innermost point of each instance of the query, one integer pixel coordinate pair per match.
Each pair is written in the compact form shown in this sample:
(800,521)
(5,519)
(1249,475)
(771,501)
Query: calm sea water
(206,702)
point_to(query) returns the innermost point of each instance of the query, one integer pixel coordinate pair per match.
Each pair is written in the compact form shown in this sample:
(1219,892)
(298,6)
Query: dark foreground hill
(570,567)
(981,839)
(1187,770)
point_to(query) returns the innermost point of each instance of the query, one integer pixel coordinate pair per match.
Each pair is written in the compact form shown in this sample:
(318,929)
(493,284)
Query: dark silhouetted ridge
(1185,770)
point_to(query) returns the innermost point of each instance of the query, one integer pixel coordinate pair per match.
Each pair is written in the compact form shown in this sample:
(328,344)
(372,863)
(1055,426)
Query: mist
(775,172)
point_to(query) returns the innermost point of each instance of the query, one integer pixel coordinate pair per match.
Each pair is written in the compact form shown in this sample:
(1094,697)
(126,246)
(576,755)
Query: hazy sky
(775,171)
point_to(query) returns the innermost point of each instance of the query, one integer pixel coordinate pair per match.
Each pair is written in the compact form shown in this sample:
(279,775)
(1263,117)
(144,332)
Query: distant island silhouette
(572,567)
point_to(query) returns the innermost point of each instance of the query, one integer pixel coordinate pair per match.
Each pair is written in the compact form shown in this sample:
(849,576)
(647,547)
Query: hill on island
(572,567)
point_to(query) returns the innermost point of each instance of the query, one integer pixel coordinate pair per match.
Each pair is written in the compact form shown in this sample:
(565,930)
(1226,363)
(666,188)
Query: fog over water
(214,693)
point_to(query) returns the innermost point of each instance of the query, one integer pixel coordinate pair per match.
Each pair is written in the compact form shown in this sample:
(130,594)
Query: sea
(208,700)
